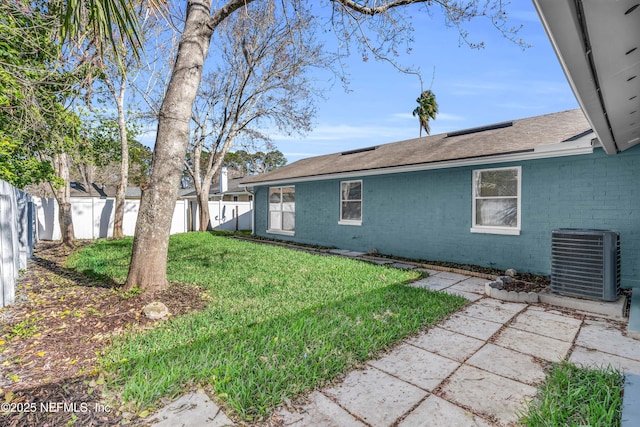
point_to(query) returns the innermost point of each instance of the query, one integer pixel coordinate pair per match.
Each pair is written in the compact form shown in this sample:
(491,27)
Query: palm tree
(100,20)
(427,109)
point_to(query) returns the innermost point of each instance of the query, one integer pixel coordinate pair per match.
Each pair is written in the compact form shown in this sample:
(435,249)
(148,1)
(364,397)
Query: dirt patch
(523,286)
(51,337)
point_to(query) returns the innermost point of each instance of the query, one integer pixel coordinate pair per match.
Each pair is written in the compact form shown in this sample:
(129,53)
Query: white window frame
(271,229)
(351,221)
(477,228)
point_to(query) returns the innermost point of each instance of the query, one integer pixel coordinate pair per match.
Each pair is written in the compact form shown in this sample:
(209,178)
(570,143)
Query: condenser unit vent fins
(586,263)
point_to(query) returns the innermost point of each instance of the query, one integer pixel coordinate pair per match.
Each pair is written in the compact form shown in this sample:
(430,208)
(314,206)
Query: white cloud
(449,117)
(290,154)
(403,116)
(344,132)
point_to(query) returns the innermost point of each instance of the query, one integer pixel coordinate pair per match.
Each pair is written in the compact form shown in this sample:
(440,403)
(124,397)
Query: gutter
(566,27)
(592,68)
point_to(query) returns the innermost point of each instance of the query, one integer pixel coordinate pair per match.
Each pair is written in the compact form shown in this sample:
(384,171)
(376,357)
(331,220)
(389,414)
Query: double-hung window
(496,200)
(351,202)
(282,210)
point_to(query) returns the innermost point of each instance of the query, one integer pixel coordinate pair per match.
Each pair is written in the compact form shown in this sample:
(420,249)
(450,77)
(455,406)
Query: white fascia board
(585,141)
(560,21)
(475,161)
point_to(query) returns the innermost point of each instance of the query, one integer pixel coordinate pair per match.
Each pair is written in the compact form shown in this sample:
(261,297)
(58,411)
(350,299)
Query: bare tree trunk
(63,197)
(124,165)
(202,190)
(86,171)
(148,268)
(203,206)
(66,223)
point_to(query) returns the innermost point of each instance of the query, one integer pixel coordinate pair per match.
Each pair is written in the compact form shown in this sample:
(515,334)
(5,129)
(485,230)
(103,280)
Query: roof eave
(566,33)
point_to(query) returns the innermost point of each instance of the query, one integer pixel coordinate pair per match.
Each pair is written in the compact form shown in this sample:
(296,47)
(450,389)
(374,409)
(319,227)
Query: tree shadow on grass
(79,278)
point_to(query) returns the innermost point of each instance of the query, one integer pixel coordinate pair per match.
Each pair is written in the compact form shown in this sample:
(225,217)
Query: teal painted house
(488,196)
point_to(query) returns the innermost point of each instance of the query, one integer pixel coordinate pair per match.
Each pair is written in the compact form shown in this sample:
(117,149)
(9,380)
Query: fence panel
(231,216)
(17,238)
(24,220)
(93,217)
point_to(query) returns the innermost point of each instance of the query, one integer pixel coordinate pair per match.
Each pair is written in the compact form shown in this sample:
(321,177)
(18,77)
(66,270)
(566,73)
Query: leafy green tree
(269,161)
(244,163)
(37,127)
(98,158)
(25,86)
(19,168)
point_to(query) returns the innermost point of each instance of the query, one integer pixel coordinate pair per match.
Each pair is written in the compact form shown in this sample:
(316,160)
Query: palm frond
(101,20)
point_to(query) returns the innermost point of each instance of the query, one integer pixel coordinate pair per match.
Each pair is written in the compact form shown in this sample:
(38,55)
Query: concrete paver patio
(477,368)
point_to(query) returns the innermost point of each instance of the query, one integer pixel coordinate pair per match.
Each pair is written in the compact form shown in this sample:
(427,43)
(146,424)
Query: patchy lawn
(577,396)
(265,323)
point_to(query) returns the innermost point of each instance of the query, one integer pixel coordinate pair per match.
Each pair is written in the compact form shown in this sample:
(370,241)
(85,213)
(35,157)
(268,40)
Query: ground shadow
(70,401)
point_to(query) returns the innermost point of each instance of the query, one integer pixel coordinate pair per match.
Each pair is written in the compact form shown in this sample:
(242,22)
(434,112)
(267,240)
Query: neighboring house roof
(563,133)
(183,193)
(597,43)
(78,189)
(233,187)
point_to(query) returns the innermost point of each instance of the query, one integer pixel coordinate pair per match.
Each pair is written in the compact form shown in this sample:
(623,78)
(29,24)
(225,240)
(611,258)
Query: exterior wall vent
(586,263)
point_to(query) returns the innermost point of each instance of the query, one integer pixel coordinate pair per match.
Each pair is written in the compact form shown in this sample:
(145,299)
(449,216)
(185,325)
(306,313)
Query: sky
(473,87)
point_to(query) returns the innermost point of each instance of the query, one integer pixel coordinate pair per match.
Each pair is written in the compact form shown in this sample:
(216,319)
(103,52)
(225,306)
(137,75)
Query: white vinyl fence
(231,216)
(93,217)
(17,238)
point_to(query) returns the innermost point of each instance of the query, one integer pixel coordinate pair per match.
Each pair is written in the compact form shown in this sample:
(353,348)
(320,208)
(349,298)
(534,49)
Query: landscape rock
(155,310)
(510,272)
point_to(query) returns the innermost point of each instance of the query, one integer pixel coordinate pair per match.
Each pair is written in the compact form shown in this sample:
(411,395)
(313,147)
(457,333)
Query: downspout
(253,210)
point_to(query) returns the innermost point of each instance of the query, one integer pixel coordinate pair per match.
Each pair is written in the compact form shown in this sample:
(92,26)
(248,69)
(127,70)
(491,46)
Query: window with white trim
(351,202)
(496,200)
(282,210)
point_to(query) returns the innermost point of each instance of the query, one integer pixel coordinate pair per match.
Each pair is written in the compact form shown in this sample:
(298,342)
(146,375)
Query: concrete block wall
(427,214)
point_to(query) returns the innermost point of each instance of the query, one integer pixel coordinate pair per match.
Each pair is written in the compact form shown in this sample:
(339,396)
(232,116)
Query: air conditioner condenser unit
(586,263)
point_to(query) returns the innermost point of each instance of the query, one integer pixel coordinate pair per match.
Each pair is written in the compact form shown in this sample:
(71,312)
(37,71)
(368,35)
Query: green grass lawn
(573,396)
(280,322)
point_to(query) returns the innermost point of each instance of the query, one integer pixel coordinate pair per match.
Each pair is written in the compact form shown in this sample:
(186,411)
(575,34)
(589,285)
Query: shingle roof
(102,190)
(522,136)
(78,189)
(233,186)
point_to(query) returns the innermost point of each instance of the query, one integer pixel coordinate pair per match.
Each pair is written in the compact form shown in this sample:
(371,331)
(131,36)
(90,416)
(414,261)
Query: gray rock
(155,310)
(511,272)
(504,279)
(496,285)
